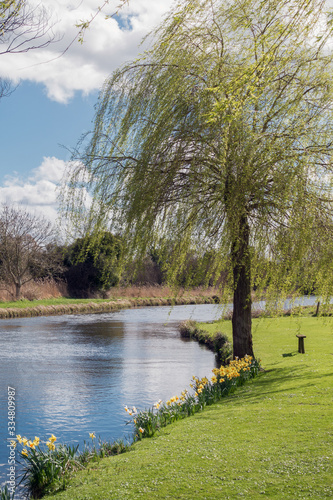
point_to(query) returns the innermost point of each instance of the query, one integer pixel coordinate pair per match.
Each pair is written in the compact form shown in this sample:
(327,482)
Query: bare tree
(23,247)
(23,27)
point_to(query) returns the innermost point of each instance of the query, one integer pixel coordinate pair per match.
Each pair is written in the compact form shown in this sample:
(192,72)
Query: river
(73,375)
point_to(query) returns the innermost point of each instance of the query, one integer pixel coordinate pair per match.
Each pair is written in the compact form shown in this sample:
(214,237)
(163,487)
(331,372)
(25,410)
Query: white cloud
(107,44)
(38,192)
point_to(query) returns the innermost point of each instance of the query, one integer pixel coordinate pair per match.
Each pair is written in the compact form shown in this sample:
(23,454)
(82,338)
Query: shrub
(93,265)
(188,328)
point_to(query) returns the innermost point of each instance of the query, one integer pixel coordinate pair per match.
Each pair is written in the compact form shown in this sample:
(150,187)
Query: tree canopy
(93,265)
(220,137)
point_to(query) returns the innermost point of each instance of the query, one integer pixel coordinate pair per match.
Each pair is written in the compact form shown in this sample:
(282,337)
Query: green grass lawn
(271,439)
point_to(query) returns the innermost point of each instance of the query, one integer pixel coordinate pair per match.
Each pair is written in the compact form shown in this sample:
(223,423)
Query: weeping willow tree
(220,138)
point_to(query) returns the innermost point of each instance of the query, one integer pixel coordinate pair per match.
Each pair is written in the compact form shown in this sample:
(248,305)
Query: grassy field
(273,438)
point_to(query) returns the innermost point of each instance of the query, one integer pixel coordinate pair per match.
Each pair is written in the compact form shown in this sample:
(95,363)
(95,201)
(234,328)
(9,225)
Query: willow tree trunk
(241,317)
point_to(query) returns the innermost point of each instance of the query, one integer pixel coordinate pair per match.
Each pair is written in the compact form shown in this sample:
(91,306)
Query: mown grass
(271,439)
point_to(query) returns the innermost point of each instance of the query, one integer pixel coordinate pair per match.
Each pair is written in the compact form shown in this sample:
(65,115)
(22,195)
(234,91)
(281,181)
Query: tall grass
(35,290)
(161,291)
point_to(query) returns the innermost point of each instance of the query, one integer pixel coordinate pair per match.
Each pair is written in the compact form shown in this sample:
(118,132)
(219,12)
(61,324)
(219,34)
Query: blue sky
(53,104)
(33,127)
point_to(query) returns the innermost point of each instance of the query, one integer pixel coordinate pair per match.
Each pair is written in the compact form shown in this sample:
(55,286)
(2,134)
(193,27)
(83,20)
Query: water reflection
(74,374)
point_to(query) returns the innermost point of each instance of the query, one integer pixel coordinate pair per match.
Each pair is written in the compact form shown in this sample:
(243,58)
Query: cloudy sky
(56,89)
(53,102)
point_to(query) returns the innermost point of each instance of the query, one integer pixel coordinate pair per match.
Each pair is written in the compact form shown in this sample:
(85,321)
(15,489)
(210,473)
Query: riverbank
(61,305)
(271,439)
(151,296)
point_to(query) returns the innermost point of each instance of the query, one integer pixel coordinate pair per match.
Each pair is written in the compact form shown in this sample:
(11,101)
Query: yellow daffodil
(19,438)
(52,439)
(31,444)
(134,420)
(24,452)
(92,435)
(51,446)
(24,441)
(36,441)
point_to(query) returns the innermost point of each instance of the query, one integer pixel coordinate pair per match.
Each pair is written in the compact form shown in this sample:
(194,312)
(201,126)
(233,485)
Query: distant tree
(23,247)
(93,264)
(220,138)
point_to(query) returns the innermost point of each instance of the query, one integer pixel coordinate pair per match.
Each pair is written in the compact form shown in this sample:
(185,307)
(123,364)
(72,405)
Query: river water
(74,374)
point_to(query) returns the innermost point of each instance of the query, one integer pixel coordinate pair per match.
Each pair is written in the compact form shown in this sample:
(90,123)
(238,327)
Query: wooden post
(301,343)
(317,310)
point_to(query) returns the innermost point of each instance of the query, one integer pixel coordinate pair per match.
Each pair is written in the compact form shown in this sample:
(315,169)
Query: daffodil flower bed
(203,392)
(45,465)
(48,465)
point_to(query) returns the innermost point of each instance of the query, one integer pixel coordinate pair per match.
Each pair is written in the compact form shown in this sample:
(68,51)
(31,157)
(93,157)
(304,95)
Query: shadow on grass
(275,381)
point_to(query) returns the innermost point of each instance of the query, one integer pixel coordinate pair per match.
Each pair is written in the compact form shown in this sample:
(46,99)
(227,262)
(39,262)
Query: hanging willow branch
(220,138)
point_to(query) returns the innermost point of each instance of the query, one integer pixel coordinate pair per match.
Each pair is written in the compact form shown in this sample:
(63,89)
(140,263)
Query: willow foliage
(220,137)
